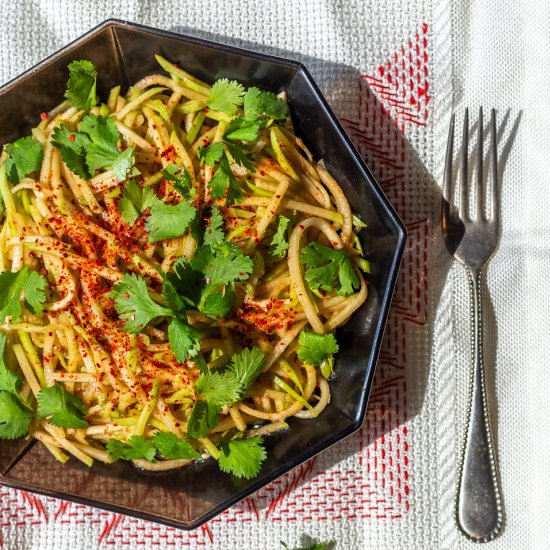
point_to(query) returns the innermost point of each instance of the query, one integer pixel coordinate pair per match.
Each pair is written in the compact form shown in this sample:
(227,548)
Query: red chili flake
(43,116)
(71,137)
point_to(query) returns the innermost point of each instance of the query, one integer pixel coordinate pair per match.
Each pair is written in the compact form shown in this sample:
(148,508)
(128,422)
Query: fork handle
(479,509)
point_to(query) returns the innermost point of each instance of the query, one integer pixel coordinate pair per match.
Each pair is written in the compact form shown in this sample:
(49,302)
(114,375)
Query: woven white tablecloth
(393,72)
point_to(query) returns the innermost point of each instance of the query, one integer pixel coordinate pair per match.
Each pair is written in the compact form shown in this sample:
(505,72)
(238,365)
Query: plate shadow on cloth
(344,90)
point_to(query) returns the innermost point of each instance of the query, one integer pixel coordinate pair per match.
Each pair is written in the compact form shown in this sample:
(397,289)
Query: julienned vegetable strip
(173,265)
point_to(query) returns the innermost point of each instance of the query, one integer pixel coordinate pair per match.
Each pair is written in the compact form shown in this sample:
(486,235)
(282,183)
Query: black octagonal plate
(124,53)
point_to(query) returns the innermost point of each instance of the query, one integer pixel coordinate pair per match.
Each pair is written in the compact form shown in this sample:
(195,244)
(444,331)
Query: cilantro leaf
(214,233)
(93,147)
(314,348)
(172,447)
(222,264)
(246,366)
(135,448)
(81,87)
(72,145)
(15,418)
(211,154)
(184,339)
(217,301)
(258,103)
(203,417)
(186,281)
(219,388)
(327,268)
(167,221)
(102,150)
(133,303)
(243,458)
(24,157)
(240,156)
(216,389)
(279,243)
(240,129)
(122,164)
(33,286)
(226,96)
(181,179)
(63,408)
(135,199)
(9,380)
(224,182)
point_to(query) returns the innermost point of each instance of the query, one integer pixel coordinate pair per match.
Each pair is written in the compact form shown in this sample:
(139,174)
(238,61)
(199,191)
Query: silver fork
(472,240)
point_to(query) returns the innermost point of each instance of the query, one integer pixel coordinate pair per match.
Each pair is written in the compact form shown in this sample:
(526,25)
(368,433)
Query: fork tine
(480,195)
(463,204)
(494,212)
(448,172)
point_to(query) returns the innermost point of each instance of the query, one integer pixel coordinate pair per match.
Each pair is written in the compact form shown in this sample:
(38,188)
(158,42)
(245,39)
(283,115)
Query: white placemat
(392,71)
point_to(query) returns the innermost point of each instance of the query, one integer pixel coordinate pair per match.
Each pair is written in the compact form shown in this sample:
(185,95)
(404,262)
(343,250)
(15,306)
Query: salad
(173,266)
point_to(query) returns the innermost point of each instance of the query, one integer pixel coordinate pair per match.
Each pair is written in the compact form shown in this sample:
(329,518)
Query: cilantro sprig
(181,179)
(168,221)
(93,146)
(24,157)
(136,308)
(165,221)
(137,447)
(261,108)
(218,388)
(15,416)
(205,283)
(328,268)
(81,86)
(317,349)
(135,199)
(134,305)
(12,284)
(242,457)
(226,96)
(61,407)
(259,103)
(278,245)
(230,149)
(172,447)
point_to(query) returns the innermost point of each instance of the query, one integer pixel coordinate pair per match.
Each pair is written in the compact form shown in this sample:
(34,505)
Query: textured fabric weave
(393,72)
